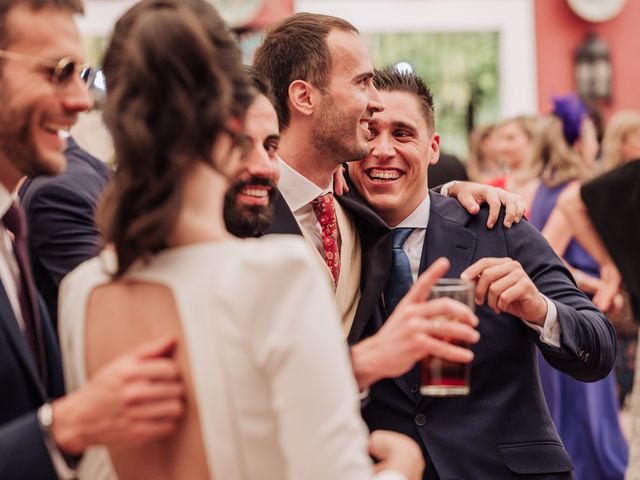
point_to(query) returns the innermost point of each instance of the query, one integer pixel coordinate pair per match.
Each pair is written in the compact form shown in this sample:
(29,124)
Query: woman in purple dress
(585,414)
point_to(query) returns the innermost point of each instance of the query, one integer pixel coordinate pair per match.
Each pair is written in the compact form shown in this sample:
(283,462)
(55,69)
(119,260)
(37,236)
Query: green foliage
(459,67)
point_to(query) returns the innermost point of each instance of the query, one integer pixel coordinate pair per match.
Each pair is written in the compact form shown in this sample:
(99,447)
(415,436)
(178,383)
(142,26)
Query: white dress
(275,393)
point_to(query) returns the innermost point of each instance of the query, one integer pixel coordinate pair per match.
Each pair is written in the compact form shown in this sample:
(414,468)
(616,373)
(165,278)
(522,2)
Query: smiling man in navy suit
(525,296)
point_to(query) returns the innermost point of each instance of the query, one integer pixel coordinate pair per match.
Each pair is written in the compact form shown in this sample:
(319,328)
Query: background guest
(585,414)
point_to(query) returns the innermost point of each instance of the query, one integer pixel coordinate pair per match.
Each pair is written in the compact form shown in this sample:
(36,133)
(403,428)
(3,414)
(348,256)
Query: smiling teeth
(254,192)
(64,134)
(384,175)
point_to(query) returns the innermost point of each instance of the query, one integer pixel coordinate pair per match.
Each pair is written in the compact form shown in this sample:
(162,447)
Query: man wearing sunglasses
(43,433)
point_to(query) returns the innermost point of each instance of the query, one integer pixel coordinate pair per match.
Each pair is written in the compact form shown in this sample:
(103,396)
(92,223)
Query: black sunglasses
(61,72)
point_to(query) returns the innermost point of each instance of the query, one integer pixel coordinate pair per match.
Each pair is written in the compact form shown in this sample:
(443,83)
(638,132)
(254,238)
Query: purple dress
(585,414)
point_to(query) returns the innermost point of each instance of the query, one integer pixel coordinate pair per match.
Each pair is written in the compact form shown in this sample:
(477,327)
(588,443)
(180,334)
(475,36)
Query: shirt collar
(419,218)
(297,190)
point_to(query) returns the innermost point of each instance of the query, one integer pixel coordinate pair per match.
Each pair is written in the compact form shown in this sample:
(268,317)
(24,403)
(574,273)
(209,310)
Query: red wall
(559,32)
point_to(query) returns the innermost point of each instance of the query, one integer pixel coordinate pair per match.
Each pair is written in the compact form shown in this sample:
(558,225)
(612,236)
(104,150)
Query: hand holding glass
(442,378)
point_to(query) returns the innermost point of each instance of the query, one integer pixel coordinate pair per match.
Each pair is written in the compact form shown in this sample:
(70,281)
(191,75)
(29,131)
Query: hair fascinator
(571,111)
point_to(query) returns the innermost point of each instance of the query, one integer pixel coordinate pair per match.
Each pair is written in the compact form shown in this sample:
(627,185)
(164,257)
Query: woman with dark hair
(269,391)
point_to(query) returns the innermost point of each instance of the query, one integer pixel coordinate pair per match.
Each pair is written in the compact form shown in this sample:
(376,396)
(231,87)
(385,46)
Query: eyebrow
(404,125)
(363,76)
(275,136)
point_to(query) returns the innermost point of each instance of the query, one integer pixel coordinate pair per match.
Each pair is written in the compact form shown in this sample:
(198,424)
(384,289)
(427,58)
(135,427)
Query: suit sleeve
(587,341)
(62,230)
(23,454)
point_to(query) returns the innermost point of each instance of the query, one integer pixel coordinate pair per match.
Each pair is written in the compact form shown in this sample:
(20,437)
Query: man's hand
(396,452)
(340,186)
(133,399)
(410,333)
(506,287)
(471,195)
(608,289)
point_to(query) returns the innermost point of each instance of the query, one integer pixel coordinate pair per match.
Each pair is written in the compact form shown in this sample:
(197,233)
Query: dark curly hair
(174,81)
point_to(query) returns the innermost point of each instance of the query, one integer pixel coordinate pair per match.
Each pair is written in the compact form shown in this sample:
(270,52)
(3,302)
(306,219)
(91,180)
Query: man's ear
(434,149)
(302,97)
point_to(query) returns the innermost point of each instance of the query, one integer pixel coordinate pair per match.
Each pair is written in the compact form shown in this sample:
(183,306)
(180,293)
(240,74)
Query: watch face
(596,10)
(237,12)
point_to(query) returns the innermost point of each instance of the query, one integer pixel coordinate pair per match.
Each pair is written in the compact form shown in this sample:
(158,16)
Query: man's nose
(76,97)
(383,147)
(260,164)
(375,100)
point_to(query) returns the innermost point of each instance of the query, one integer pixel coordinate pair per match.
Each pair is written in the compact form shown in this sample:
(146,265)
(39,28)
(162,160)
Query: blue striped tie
(400,280)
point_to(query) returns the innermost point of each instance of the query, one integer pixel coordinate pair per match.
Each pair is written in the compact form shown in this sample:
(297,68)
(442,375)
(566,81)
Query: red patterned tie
(326,213)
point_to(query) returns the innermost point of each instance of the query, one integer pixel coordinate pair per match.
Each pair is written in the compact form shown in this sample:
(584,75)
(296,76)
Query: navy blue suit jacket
(23,455)
(502,429)
(60,217)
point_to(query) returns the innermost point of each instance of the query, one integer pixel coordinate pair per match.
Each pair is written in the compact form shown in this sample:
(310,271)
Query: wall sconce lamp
(593,69)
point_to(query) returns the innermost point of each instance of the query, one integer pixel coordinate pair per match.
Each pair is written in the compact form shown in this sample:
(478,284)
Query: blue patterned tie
(400,280)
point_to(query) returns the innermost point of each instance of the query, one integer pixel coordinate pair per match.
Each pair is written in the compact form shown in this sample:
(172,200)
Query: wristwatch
(64,466)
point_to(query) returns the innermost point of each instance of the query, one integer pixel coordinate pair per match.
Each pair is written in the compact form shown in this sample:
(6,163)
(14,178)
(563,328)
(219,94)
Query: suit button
(414,388)
(420,420)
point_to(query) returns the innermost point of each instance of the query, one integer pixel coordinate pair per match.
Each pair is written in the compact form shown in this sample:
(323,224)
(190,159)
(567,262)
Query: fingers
(384,444)
(493,200)
(468,201)
(143,392)
(496,291)
(603,299)
(515,207)
(161,347)
(339,184)
(420,290)
(157,369)
(509,214)
(451,331)
(162,410)
(484,274)
(443,307)
(447,351)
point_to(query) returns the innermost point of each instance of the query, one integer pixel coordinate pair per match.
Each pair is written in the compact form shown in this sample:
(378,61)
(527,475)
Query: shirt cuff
(551,331)
(444,190)
(63,468)
(389,475)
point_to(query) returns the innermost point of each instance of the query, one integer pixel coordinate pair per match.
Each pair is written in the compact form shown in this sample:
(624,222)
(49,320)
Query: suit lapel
(283,219)
(376,259)
(9,324)
(448,237)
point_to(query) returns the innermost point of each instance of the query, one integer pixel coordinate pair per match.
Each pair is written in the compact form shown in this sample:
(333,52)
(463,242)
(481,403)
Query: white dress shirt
(298,191)
(549,334)
(9,270)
